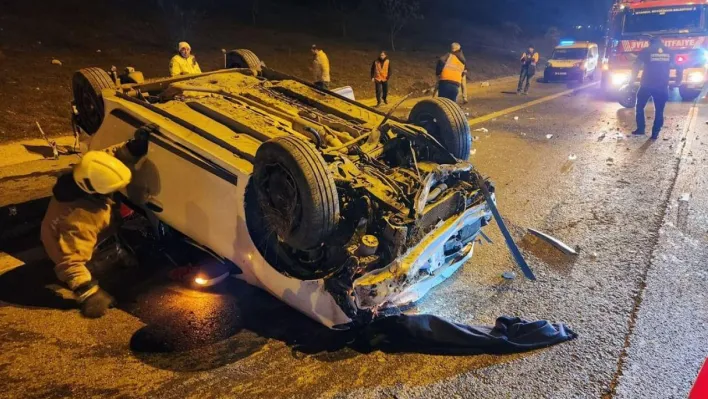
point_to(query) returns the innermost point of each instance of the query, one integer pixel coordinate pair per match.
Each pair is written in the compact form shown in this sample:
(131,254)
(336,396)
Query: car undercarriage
(369,206)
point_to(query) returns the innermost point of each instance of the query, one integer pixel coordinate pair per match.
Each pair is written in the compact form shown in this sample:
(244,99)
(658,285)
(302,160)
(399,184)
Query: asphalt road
(616,201)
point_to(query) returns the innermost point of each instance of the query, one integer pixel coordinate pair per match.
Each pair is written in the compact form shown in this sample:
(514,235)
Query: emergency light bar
(567,42)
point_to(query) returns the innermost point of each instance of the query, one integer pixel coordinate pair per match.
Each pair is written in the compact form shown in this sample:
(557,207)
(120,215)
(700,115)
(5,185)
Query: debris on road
(610,161)
(549,136)
(52,143)
(516,118)
(509,275)
(685,197)
(554,241)
(98,51)
(473,151)
(572,157)
(56,62)
(475,138)
(481,129)
(593,256)
(522,134)
(485,84)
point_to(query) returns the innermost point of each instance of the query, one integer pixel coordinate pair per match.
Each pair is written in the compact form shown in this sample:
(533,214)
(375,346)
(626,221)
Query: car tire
(628,96)
(688,94)
(446,122)
(242,58)
(304,210)
(87,85)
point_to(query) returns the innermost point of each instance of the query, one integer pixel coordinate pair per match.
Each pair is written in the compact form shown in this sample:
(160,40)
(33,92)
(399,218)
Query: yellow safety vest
(381,71)
(452,71)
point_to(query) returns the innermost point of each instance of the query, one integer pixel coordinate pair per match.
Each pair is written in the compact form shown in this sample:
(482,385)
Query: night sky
(529,12)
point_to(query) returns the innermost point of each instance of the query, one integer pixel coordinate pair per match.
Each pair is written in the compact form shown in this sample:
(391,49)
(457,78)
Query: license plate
(561,73)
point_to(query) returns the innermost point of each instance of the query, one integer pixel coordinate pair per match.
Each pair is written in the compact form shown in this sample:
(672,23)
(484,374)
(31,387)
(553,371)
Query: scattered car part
(513,248)
(554,241)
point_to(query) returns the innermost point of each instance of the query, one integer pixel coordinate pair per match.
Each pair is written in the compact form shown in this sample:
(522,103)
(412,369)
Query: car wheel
(444,120)
(242,58)
(688,94)
(628,96)
(296,192)
(87,85)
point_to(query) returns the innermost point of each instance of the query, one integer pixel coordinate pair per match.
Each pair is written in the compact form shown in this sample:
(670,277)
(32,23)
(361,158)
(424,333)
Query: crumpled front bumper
(409,277)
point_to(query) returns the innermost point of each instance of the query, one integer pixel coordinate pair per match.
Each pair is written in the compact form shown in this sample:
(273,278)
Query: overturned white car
(331,206)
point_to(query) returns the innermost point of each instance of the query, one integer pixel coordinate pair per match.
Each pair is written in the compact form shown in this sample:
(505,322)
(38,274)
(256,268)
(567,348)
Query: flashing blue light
(567,42)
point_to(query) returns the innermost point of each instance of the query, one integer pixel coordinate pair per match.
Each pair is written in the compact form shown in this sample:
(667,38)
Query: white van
(573,61)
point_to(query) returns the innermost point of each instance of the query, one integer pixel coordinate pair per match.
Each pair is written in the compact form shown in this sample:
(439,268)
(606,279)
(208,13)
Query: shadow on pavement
(29,286)
(190,330)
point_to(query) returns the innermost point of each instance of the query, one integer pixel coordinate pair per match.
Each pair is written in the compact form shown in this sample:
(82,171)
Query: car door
(592,58)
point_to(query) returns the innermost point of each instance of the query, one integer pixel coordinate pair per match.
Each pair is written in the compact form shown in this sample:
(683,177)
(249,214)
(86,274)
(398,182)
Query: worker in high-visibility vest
(449,72)
(380,74)
(529,59)
(184,63)
(320,68)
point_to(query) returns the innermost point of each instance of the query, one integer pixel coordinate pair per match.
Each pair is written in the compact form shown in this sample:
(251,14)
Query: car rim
(279,200)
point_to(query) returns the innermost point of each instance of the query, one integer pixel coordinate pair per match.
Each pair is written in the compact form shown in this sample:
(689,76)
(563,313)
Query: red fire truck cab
(681,25)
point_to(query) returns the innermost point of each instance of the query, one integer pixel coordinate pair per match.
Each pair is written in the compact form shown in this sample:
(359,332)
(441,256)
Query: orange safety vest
(381,71)
(453,69)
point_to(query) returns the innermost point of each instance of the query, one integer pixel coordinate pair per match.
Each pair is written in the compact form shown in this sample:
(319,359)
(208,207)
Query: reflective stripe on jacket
(380,71)
(184,66)
(453,69)
(320,67)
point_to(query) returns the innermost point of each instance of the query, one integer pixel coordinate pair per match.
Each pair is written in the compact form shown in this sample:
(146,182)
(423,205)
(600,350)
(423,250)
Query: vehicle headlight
(620,78)
(696,77)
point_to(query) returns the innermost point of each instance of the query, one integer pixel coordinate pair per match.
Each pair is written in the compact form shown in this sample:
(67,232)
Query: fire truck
(681,25)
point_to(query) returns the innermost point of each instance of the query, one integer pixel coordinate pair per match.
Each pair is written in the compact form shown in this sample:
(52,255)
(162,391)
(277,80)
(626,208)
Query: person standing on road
(320,68)
(529,59)
(380,74)
(656,61)
(79,217)
(184,63)
(449,71)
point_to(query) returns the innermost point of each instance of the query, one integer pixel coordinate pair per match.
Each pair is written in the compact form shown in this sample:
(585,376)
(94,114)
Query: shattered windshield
(665,19)
(570,54)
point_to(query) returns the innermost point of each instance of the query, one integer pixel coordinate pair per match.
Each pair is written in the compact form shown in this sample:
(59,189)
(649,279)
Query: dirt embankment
(32,88)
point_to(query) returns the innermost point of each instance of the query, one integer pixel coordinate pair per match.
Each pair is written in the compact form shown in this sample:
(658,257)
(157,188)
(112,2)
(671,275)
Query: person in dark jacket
(656,62)
(449,71)
(380,75)
(529,59)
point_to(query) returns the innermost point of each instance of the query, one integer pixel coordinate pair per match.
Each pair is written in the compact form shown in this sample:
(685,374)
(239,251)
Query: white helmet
(101,173)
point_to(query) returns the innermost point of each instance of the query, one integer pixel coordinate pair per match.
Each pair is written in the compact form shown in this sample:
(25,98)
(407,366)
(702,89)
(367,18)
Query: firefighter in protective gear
(449,71)
(184,63)
(656,61)
(529,59)
(320,68)
(80,213)
(380,74)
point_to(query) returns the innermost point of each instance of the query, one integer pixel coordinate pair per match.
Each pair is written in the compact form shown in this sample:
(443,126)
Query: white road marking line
(537,101)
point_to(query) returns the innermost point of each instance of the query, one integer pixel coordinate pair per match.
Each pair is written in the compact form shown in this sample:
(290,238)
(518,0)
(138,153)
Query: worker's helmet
(100,173)
(455,47)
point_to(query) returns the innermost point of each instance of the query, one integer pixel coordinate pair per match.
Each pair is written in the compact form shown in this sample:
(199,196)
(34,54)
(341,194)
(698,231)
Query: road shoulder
(668,344)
